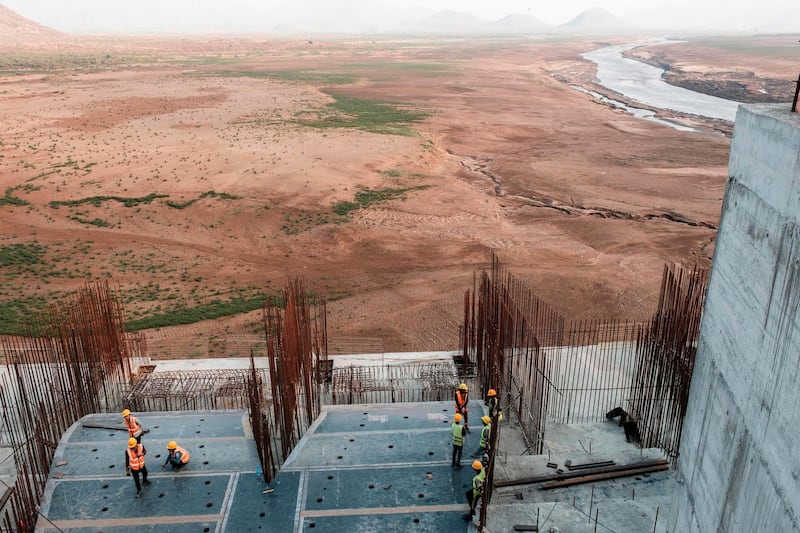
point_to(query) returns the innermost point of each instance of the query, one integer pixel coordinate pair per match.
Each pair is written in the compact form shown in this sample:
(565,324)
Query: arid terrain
(383,172)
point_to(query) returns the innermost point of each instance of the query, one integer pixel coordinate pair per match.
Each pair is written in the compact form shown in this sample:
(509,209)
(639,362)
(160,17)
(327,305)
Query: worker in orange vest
(133,425)
(462,403)
(177,457)
(134,464)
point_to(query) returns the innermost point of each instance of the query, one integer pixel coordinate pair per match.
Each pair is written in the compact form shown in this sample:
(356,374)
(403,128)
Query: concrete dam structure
(739,468)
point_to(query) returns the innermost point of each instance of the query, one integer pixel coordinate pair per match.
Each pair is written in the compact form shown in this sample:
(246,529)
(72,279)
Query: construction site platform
(357,468)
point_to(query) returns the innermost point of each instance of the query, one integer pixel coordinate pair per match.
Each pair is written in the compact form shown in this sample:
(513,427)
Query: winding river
(642,82)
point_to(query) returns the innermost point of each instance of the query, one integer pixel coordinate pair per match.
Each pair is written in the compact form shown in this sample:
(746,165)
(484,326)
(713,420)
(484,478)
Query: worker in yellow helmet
(475,492)
(133,425)
(458,431)
(486,432)
(177,457)
(134,464)
(462,403)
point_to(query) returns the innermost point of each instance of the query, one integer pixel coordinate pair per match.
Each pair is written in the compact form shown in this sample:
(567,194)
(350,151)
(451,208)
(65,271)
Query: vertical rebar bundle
(666,351)
(296,347)
(73,360)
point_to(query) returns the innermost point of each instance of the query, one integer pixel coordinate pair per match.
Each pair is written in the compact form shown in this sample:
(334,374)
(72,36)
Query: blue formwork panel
(116,498)
(196,527)
(386,487)
(398,417)
(420,521)
(253,510)
(375,449)
(207,455)
(177,426)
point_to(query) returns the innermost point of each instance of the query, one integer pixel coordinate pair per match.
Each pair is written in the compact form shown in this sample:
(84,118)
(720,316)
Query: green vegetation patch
(14,255)
(97,201)
(313,77)
(369,197)
(208,194)
(188,315)
(16,312)
(367,115)
(10,199)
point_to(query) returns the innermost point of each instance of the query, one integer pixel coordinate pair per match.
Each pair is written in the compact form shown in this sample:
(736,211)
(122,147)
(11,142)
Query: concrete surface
(739,468)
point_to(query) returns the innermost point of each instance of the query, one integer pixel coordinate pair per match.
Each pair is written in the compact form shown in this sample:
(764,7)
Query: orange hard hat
(477,465)
(458,417)
(172,445)
(492,392)
(132,442)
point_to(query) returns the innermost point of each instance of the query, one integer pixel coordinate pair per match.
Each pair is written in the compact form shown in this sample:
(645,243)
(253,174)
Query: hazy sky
(239,15)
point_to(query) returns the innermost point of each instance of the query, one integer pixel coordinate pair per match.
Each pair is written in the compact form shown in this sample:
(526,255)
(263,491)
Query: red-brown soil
(584,202)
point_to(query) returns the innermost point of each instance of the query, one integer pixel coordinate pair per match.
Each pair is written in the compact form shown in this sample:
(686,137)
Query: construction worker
(134,464)
(462,403)
(133,425)
(486,432)
(493,402)
(177,457)
(458,431)
(474,493)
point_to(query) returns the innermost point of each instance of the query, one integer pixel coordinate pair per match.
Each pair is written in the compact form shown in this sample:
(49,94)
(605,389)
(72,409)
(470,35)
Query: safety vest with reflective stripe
(485,432)
(136,457)
(458,434)
(462,397)
(477,482)
(184,454)
(134,428)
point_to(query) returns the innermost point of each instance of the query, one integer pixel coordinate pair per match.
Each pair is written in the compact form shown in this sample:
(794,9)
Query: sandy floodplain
(192,170)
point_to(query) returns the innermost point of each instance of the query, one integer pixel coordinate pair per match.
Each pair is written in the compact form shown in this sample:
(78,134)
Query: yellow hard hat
(172,445)
(132,442)
(477,465)
(126,412)
(486,420)
(458,417)
(463,386)
(492,392)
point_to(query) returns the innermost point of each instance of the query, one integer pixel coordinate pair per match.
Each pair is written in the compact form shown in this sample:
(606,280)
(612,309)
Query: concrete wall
(739,468)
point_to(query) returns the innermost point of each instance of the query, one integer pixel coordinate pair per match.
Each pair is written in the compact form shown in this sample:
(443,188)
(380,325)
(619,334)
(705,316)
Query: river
(642,82)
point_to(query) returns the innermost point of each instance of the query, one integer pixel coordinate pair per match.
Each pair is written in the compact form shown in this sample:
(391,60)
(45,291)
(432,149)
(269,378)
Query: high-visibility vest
(136,457)
(184,454)
(477,482)
(134,428)
(485,432)
(458,434)
(462,397)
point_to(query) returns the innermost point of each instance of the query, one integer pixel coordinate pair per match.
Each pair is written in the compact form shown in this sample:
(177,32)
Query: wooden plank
(601,477)
(525,527)
(568,475)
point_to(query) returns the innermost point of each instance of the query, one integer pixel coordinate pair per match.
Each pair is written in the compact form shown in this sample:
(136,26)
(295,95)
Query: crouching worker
(178,457)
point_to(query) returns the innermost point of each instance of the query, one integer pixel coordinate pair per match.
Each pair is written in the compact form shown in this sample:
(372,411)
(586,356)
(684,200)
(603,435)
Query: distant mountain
(17,29)
(452,22)
(597,20)
(518,23)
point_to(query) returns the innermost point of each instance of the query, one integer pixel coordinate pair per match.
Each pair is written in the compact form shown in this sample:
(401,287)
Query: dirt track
(584,202)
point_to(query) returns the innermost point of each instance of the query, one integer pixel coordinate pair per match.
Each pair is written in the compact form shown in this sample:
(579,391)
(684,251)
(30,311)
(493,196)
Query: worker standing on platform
(134,464)
(458,431)
(476,491)
(462,403)
(493,402)
(133,425)
(177,457)
(486,432)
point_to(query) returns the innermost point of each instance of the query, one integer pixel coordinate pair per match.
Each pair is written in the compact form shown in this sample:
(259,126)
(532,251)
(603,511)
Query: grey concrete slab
(421,521)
